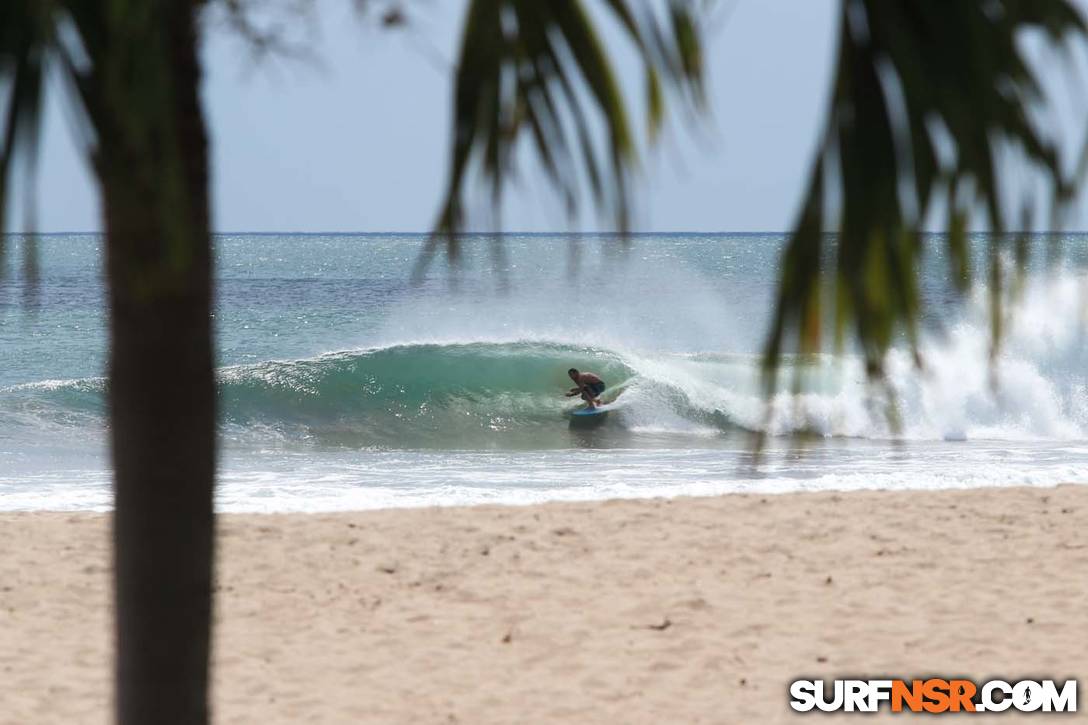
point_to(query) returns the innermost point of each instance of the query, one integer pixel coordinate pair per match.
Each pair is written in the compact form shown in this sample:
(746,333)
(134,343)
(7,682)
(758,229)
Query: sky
(356,138)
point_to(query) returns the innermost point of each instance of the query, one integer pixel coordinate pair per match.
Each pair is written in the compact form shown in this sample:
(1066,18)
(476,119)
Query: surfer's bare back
(589,385)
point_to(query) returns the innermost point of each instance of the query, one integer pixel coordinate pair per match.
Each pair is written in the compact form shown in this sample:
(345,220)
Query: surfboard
(586,418)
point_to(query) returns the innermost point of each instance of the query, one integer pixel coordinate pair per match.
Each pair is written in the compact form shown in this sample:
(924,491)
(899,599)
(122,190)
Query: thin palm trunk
(161,386)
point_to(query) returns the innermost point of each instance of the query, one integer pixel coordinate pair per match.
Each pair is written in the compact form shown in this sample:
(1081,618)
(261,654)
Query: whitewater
(344,383)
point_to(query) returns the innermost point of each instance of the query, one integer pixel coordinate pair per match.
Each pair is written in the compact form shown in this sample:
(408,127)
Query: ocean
(345,383)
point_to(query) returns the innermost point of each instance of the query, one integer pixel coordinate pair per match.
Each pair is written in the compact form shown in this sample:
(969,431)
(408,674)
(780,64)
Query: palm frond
(915,79)
(540,69)
(26,34)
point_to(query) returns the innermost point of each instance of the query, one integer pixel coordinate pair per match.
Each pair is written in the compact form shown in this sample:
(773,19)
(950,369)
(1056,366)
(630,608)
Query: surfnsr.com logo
(933,695)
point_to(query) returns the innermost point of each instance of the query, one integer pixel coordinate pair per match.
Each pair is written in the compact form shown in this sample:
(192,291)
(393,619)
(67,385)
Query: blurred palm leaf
(540,69)
(927,95)
(27,29)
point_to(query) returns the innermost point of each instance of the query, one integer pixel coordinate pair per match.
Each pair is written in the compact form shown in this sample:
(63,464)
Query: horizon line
(329,233)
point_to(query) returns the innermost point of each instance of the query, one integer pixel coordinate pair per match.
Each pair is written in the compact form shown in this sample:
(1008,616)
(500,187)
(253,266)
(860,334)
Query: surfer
(589,385)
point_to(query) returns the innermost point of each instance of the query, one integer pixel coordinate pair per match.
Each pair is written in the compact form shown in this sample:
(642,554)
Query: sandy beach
(685,610)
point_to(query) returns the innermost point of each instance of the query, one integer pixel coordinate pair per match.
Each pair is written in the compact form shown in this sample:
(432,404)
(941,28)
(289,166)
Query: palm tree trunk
(152,163)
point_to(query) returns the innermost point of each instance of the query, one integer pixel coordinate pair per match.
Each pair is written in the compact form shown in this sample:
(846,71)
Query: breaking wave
(481,395)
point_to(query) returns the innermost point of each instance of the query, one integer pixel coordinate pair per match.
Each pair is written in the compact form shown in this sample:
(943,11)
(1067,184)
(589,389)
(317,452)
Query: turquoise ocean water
(344,384)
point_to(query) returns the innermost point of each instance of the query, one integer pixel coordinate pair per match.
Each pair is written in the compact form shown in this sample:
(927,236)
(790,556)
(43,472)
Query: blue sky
(358,140)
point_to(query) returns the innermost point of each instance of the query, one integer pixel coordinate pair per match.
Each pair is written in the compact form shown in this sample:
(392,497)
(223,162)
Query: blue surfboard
(589,412)
(586,418)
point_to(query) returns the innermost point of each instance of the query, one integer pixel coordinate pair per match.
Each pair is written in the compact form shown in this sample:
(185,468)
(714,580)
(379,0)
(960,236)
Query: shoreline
(682,609)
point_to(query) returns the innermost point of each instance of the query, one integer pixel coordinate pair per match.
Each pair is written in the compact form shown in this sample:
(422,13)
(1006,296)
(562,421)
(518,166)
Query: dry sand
(691,610)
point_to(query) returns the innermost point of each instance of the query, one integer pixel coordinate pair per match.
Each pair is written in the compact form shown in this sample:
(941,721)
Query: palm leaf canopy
(927,96)
(540,70)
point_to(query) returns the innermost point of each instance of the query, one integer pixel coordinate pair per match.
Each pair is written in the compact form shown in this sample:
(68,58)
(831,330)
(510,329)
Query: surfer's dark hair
(572,371)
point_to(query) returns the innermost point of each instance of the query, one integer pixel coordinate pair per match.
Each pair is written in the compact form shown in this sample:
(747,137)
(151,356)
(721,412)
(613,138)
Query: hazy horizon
(359,139)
